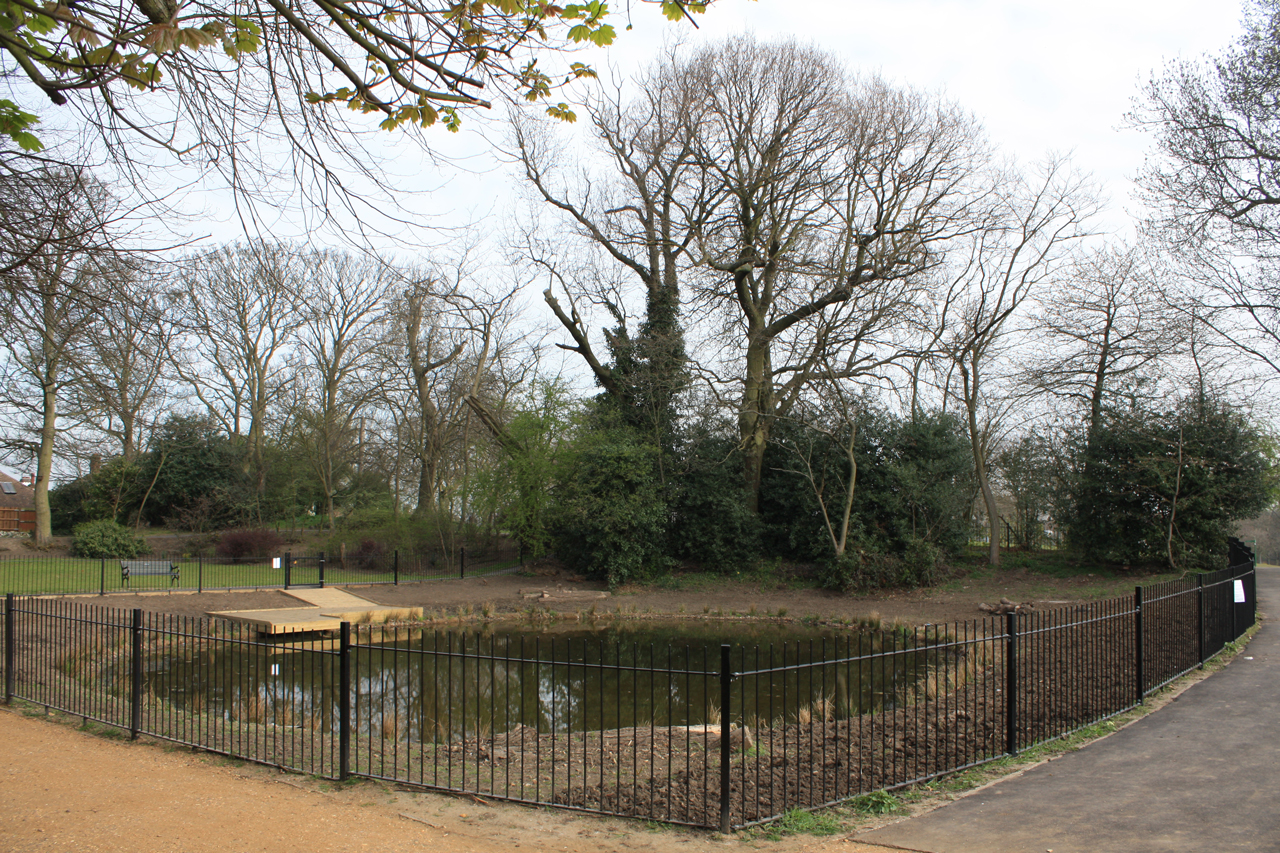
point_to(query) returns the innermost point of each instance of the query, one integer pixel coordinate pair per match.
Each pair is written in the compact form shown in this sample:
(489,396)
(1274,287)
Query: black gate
(303,571)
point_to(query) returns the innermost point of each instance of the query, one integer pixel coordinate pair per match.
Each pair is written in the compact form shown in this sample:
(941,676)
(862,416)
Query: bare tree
(1214,182)
(643,215)
(345,298)
(123,376)
(1105,322)
(239,311)
(1217,129)
(837,192)
(786,206)
(46,304)
(1031,225)
(27,228)
(444,333)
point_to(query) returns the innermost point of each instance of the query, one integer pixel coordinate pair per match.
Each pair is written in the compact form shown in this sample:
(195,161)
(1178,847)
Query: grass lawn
(44,575)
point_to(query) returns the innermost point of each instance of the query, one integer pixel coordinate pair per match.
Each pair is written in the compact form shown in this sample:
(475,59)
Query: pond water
(430,686)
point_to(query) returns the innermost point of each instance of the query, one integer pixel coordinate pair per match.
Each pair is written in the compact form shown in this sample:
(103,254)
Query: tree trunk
(44,466)
(1173,506)
(969,376)
(754,417)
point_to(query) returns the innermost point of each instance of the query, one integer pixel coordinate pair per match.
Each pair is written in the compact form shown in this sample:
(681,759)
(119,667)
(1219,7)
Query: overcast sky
(1041,78)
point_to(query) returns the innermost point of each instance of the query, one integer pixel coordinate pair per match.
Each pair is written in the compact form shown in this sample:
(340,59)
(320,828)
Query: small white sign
(275,564)
(1239,585)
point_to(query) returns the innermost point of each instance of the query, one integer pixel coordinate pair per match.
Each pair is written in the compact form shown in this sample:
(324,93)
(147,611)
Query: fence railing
(706,735)
(45,575)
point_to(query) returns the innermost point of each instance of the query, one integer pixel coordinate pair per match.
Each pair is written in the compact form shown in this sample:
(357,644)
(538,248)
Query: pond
(435,687)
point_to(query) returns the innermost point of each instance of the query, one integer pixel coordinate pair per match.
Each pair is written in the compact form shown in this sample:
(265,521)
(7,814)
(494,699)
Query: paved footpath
(1202,775)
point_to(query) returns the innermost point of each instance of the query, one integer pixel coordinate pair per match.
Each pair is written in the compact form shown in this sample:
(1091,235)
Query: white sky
(1041,77)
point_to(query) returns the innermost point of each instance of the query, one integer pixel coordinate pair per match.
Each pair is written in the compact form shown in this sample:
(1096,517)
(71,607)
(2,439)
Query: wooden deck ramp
(319,610)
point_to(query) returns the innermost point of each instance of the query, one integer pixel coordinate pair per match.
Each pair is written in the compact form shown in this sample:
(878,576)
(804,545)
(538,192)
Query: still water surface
(429,686)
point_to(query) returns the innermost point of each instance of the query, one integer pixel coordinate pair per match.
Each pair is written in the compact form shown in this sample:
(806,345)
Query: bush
(920,563)
(241,544)
(859,571)
(711,524)
(407,534)
(1166,483)
(106,539)
(914,481)
(863,571)
(370,555)
(610,517)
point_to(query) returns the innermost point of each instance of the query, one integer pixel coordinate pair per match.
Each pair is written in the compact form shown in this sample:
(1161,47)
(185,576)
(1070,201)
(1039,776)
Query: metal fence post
(288,562)
(102,584)
(200,571)
(1232,605)
(344,701)
(1011,684)
(726,746)
(1137,644)
(135,686)
(462,561)
(395,566)
(322,569)
(10,654)
(1200,619)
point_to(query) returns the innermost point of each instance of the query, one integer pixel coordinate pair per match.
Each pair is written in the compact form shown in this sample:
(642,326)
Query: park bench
(133,568)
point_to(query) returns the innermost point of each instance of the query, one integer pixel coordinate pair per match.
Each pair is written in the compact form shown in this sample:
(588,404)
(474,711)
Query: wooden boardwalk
(319,610)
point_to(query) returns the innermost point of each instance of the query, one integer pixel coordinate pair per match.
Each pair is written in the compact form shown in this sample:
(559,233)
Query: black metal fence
(45,575)
(715,736)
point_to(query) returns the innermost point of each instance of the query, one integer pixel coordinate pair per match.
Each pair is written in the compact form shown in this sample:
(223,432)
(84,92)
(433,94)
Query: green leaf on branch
(15,123)
(562,112)
(247,36)
(604,35)
(42,24)
(195,38)
(675,10)
(140,75)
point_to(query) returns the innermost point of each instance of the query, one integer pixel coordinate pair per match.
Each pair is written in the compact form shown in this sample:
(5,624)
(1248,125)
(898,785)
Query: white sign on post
(275,563)
(1239,585)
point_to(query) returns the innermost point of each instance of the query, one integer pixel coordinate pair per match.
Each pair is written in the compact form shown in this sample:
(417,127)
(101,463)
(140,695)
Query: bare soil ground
(690,596)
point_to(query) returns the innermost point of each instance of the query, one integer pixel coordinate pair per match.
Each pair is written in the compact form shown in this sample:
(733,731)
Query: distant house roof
(14,494)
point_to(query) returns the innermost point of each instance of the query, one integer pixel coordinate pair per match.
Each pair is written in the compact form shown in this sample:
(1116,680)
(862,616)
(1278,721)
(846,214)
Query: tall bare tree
(443,330)
(1033,220)
(46,305)
(239,309)
(1213,184)
(837,192)
(345,298)
(785,205)
(123,377)
(643,214)
(1105,323)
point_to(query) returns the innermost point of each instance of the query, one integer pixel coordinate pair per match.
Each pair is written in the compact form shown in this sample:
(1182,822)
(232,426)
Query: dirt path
(66,790)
